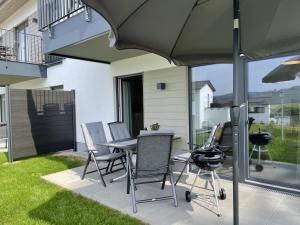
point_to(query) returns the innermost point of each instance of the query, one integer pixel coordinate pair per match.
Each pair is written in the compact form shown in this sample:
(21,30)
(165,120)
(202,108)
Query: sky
(221,76)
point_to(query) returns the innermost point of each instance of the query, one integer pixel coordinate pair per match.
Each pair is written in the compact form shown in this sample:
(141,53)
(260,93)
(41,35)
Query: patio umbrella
(199,32)
(288,70)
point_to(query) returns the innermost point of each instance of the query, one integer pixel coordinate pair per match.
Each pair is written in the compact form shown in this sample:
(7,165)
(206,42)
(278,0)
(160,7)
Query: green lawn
(27,199)
(286,150)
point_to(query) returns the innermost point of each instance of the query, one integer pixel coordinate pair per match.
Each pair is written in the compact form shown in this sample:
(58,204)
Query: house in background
(201,101)
(260,109)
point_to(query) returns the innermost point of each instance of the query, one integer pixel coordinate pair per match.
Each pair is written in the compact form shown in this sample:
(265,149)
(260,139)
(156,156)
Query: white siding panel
(168,107)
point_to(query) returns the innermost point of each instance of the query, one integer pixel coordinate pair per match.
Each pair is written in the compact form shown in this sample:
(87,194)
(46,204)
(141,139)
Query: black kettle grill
(208,160)
(260,140)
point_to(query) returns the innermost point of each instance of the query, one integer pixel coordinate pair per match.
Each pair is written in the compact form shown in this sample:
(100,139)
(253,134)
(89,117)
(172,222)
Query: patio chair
(224,141)
(152,161)
(118,131)
(94,135)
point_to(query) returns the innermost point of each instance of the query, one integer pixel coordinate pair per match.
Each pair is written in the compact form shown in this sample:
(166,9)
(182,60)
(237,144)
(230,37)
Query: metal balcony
(71,29)
(20,47)
(52,12)
(21,57)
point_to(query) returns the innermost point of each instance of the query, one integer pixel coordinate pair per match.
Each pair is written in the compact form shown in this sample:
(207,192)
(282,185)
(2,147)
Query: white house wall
(95,96)
(93,85)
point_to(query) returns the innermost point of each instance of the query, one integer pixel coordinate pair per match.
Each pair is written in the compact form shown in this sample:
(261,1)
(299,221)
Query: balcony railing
(25,48)
(52,59)
(55,11)
(20,47)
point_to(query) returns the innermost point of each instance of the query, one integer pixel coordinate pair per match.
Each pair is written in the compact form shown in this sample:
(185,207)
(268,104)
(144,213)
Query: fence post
(74,121)
(9,124)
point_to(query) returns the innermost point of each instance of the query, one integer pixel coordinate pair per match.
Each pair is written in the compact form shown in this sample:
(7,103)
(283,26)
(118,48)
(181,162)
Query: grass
(286,150)
(25,198)
(282,150)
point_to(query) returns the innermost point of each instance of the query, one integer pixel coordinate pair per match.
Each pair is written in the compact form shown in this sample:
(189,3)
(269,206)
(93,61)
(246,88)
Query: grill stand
(214,179)
(261,149)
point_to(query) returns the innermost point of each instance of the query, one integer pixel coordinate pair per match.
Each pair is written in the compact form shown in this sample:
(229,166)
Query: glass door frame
(119,94)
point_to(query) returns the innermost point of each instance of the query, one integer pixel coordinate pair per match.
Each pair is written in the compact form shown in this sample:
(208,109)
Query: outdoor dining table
(128,145)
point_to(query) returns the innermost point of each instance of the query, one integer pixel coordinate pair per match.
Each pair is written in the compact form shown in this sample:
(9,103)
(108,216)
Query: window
(257,109)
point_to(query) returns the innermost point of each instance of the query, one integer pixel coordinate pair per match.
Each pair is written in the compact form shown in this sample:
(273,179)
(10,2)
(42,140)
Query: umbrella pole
(235,110)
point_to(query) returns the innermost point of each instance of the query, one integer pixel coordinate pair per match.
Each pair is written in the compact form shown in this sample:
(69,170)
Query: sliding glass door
(274,115)
(130,102)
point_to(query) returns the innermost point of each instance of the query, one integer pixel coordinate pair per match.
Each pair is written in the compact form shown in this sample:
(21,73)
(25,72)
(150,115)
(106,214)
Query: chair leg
(99,172)
(164,182)
(216,193)
(123,163)
(108,165)
(86,166)
(133,197)
(112,165)
(173,188)
(186,165)
(111,162)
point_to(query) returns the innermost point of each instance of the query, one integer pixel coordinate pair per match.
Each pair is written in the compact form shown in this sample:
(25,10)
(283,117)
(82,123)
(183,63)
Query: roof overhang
(86,40)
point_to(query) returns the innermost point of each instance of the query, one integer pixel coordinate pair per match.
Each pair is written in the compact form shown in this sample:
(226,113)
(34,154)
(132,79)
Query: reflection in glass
(275,128)
(211,101)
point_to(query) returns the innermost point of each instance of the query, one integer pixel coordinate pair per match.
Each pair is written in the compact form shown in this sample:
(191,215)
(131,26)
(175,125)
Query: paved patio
(257,205)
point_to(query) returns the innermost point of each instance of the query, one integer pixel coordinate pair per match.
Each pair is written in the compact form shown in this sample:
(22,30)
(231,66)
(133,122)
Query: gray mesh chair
(152,161)
(119,131)
(94,135)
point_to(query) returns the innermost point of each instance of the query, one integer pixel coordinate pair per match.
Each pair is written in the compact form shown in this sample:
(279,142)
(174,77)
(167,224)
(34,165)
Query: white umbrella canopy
(288,70)
(197,32)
